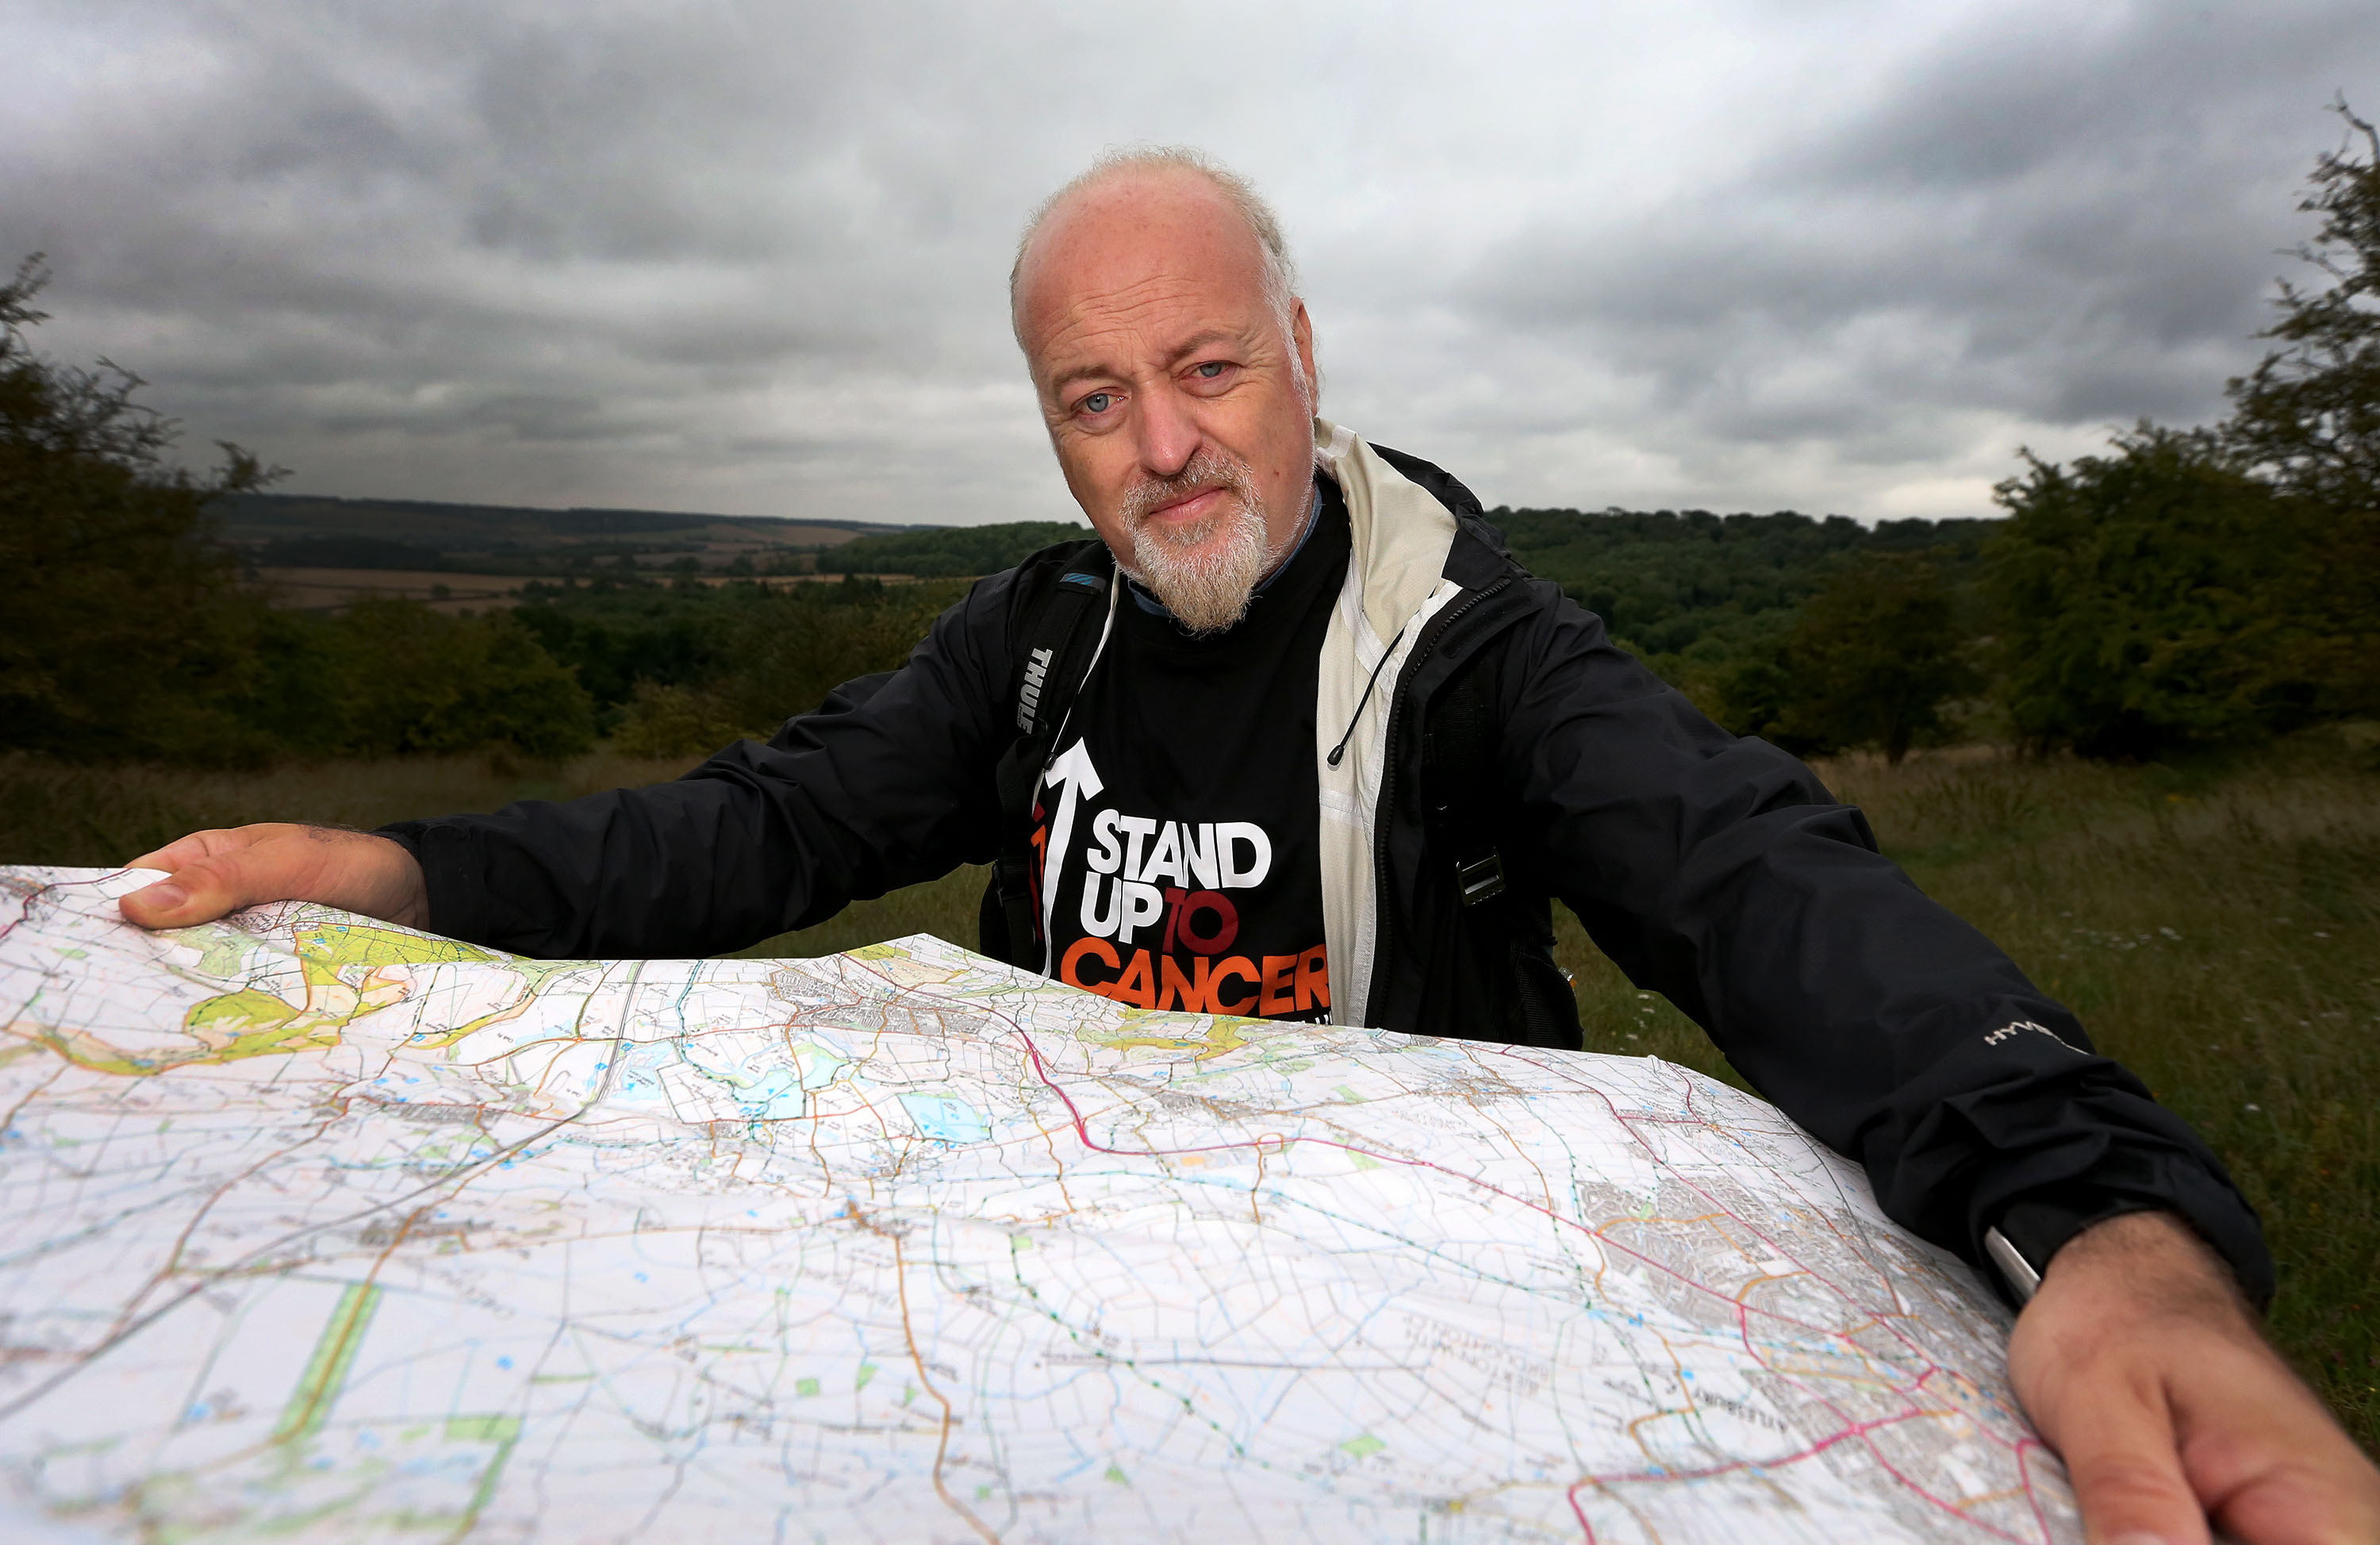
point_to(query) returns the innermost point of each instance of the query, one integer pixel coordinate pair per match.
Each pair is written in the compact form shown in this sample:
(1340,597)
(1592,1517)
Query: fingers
(196,845)
(2265,1457)
(196,894)
(2089,1361)
(2118,1441)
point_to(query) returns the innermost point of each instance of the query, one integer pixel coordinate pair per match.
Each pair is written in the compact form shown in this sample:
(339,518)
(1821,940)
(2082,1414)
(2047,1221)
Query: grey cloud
(2065,224)
(744,257)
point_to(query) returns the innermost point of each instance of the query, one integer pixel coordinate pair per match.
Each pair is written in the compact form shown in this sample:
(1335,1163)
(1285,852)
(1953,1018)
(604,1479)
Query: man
(1260,803)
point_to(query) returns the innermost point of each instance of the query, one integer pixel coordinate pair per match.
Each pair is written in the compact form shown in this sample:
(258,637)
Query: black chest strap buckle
(1481,880)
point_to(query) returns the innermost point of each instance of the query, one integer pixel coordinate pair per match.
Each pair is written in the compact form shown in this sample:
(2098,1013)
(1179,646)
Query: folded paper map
(313,1227)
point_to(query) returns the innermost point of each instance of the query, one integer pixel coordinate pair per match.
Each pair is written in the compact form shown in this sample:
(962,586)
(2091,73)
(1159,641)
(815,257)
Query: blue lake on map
(945,1119)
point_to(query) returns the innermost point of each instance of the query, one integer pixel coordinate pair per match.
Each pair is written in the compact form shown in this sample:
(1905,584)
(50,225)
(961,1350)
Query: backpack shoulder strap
(1509,930)
(1460,786)
(1058,636)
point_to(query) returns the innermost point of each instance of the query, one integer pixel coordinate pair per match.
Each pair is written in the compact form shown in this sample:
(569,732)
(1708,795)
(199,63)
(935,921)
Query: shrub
(122,619)
(391,677)
(1867,662)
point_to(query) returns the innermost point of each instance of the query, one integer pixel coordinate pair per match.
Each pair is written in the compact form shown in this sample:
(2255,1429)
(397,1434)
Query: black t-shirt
(1182,819)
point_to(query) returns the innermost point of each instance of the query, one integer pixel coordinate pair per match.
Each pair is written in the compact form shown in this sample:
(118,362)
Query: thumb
(198,892)
(210,873)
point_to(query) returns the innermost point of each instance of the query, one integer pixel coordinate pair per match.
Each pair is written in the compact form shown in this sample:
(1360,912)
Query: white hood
(1395,582)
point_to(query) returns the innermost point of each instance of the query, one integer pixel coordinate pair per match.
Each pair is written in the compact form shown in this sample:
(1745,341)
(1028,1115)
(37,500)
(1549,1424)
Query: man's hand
(215,872)
(2141,1367)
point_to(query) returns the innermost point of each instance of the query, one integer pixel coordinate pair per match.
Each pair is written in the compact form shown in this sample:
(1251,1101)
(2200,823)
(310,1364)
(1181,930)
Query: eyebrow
(1192,345)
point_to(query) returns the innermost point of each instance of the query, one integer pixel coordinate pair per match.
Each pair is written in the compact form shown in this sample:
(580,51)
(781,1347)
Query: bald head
(1177,178)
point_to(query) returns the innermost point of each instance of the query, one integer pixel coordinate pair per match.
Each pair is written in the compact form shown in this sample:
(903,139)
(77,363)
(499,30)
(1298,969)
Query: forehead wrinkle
(1122,329)
(1128,320)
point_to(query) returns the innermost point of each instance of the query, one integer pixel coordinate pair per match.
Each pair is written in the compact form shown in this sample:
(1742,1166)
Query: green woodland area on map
(2128,726)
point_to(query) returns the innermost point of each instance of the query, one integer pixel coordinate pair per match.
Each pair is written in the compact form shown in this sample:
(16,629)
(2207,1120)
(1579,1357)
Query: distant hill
(347,552)
(316,531)
(948,552)
(1665,581)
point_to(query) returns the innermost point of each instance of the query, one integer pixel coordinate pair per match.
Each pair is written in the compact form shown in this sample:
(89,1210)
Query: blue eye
(1212,369)
(1098,402)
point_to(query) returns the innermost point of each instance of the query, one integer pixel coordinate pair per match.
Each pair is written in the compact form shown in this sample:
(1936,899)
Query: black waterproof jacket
(1714,869)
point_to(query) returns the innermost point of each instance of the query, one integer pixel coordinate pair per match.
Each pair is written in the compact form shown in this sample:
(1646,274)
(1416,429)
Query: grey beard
(1207,586)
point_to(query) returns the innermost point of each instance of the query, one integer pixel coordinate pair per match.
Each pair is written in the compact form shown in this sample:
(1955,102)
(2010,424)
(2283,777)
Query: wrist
(406,892)
(401,883)
(364,872)
(2154,1264)
(2032,1229)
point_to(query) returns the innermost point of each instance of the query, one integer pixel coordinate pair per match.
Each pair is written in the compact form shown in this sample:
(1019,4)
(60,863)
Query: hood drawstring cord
(1386,655)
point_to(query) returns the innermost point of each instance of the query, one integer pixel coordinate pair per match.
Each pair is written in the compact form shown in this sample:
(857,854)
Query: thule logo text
(1037,669)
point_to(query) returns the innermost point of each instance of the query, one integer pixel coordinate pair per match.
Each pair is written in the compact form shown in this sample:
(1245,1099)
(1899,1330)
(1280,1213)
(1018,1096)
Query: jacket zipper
(1384,927)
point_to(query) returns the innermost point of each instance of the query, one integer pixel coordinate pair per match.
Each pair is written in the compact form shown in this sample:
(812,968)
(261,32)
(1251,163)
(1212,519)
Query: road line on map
(1859,1432)
(25,909)
(1082,1132)
(943,1446)
(1884,1323)
(1800,1382)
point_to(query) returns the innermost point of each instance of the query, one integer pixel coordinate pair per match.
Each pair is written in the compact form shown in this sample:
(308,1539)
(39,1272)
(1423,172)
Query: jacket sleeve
(1721,872)
(889,783)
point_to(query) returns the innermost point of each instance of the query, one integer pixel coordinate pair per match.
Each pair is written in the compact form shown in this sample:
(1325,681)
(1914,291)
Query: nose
(1169,432)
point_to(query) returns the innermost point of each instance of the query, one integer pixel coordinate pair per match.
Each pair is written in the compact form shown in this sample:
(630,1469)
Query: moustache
(1206,470)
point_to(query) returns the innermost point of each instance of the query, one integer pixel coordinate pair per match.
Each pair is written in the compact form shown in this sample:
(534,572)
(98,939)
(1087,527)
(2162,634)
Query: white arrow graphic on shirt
(1082,780)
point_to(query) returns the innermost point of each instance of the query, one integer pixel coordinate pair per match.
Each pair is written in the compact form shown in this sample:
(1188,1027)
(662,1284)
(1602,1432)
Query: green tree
(1868,661)
(2136,597)
(792,652)
(948,551)
(781,657)
(127,630)
(122,617)
(1873,656)
(2307,417)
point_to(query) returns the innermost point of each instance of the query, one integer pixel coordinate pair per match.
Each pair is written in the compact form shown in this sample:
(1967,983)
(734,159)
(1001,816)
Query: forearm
(887,783)
(696,866)
(1904,1039)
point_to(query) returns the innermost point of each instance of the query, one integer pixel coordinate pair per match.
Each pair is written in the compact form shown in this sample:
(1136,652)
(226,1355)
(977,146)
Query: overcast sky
(750,257)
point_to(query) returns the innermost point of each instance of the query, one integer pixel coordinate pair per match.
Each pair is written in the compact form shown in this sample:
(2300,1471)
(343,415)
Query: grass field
(2216,924)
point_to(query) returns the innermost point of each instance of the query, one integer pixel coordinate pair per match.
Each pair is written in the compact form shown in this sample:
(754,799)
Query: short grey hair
(1280,272)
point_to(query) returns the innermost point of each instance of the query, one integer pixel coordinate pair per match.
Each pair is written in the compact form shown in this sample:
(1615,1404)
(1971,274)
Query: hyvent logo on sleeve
(1159,908)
